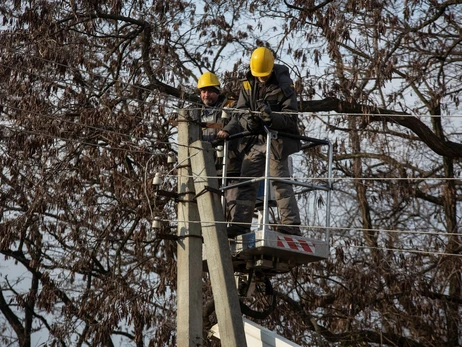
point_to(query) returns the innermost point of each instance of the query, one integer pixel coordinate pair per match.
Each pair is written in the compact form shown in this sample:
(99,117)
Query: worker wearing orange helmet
(268,92)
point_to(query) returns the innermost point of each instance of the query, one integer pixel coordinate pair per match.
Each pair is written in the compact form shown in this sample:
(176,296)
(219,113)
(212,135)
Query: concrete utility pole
(189,277)
(217,248)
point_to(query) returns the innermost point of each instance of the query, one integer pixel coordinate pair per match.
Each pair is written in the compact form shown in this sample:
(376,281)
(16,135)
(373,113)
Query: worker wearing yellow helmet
(209,87)
(268,92)
(210,114)
(261,62)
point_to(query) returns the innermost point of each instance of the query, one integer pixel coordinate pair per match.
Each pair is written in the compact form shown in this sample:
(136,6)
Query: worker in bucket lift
(210,114)
(268,92)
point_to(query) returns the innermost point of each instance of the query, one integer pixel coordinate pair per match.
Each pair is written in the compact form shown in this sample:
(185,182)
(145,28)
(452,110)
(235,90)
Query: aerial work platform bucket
(272,253)
(264,249)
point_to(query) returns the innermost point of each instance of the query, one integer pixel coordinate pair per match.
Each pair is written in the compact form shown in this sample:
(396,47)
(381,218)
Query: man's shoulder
(284,80)
(247,81)
(246,85)
(282,74)
(279,68)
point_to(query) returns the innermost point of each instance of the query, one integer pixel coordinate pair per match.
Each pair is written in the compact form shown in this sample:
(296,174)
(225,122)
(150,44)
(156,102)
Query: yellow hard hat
(208,79)
(261,62)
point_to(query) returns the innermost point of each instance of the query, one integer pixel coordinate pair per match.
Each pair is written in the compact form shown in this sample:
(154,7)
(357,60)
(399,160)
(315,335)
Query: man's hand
(222,135)
(253,123)
(265,112)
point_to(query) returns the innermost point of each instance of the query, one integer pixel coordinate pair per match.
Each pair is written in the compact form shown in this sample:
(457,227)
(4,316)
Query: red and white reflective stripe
(295,244)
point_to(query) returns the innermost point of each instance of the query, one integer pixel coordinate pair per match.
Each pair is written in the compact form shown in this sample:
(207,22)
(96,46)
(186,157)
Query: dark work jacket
(279,94)
(213,114)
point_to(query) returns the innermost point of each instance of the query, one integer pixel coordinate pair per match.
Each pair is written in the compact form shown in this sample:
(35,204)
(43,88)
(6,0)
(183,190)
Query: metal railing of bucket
(310,142)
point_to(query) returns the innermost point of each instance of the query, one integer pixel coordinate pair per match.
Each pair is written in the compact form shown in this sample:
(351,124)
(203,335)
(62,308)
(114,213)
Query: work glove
(254,123)
(265,113)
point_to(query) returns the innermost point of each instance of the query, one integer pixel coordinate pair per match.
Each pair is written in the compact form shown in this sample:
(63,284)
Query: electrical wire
(337,230)
(288,112)
(323,179)
(78,141)
(333,179)
(404,250)
(235,110)
(190,176)
(39,133)
(407,250)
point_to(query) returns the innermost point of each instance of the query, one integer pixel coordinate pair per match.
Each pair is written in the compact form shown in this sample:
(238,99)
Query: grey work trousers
(253,165)
(230,199)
